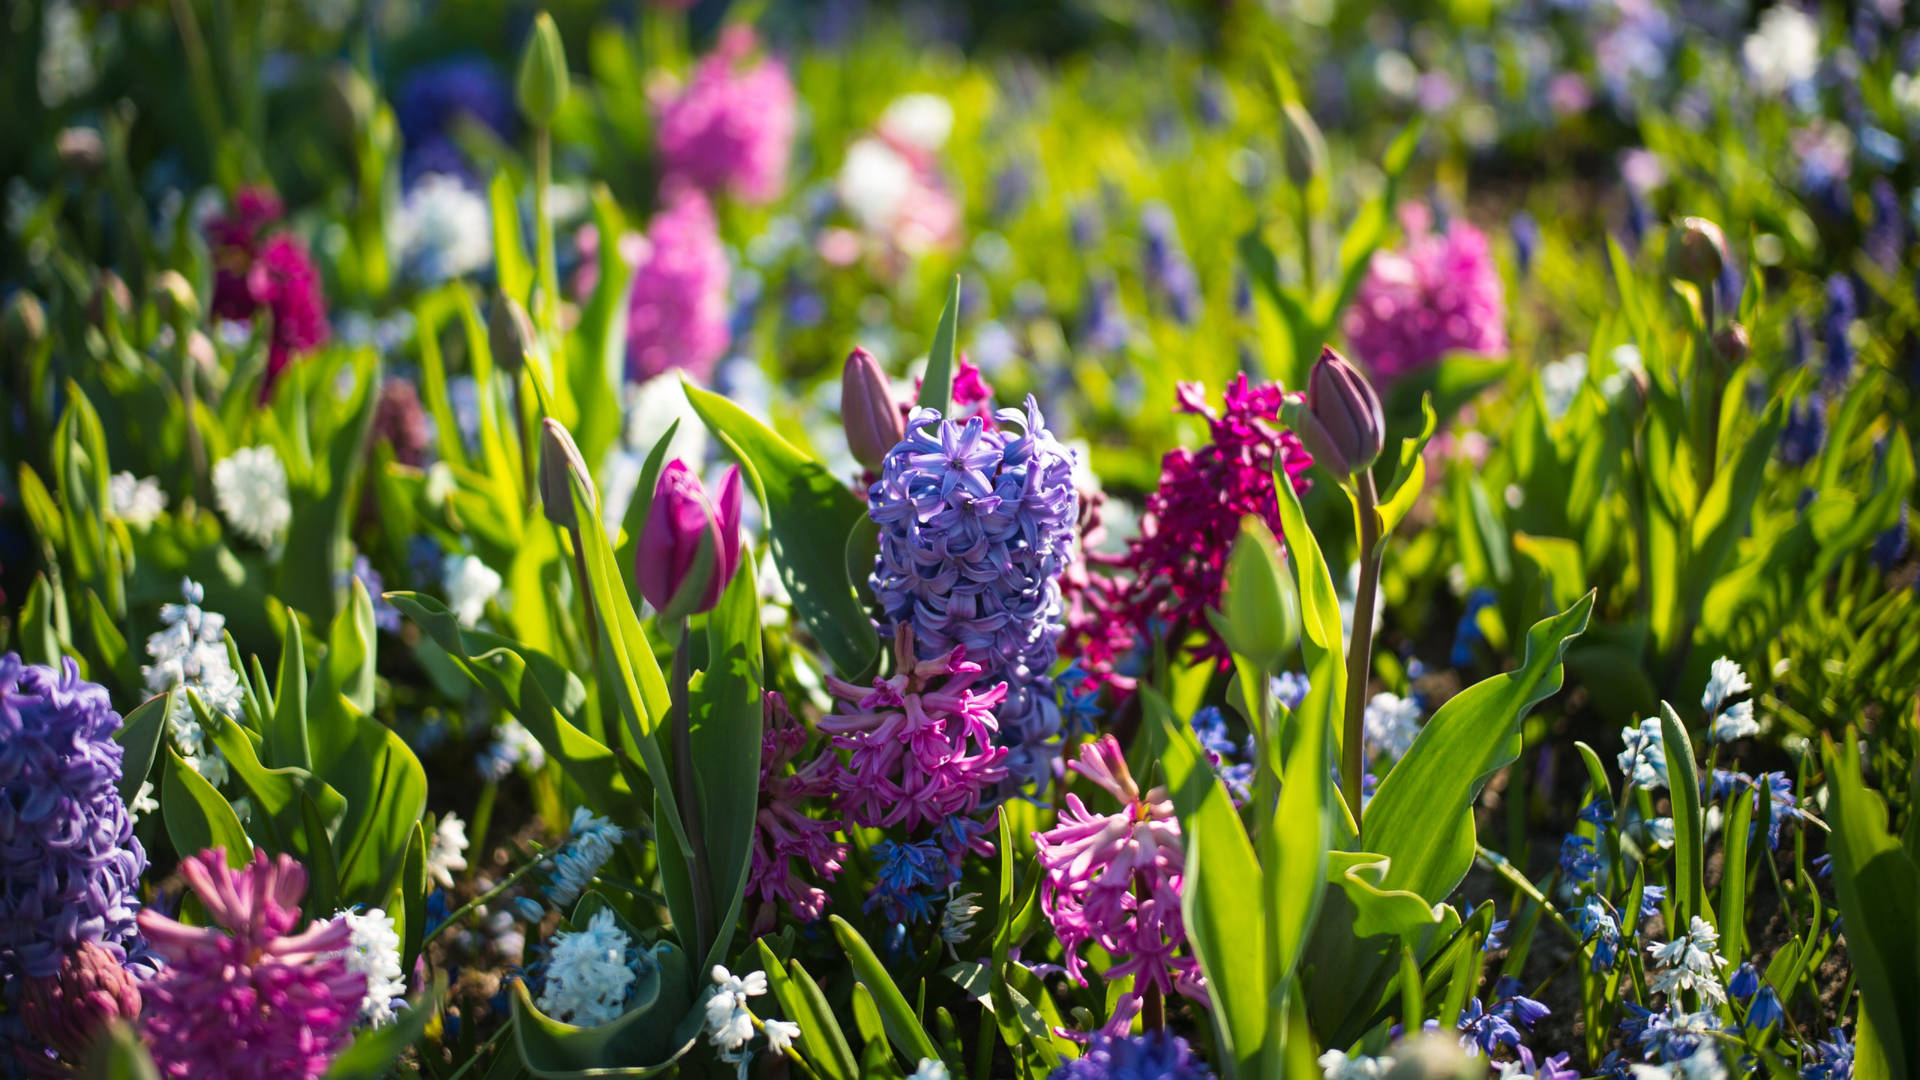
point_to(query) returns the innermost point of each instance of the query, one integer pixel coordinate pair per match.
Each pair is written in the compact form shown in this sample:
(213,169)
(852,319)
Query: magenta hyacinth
(731,128)
(677,310)
(255,272)
(1114,880)
(920,744)
(246,999)
(68,1011)
(787,844)
(1439,294)
(681,519)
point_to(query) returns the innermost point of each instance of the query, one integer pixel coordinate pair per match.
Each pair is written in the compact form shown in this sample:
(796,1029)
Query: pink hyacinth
(233,238)
(731,128)
(252,1001)
(1114,880)
(1179,559)
(1100,632)
(254,272)
(1439,294)
(782,830)
(677,310)
(917,753)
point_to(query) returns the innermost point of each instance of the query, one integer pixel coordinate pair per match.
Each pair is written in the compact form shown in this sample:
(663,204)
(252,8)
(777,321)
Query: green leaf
(323,874)
(821,1041)
(197,818)
(1322,639)
(119,1055)
(727,721)
(511,267)
(660,1025)
(1377,908)
(1683,781)
(139,738)
(386,792)
(1733,872)
(936,389)
(1879,887)
(287,736)
(413,894)
(372,1054)
(276,793)
(902,1027)
(1421,818)
(804,503)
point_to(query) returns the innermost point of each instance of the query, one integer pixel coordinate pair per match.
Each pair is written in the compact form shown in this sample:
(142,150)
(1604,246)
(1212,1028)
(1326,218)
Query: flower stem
(490,895)
(688,796)
(543,234)
(1360,649)
(482,818)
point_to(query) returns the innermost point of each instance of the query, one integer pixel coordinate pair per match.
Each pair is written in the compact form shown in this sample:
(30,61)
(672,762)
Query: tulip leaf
(658,1028)
(412,893)
(727,722)
(140,736)
(1683,782)
(821,1041)
(1421,818)
(197,818)
(936,387)
(804,502)
(287,738)
(386,792)
(903,1029)
(276,793)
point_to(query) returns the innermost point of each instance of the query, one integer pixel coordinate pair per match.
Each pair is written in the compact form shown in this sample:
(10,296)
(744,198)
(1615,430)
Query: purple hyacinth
(1166,267)
(1153,1055)
(435,99)
(69,864)
(976,527)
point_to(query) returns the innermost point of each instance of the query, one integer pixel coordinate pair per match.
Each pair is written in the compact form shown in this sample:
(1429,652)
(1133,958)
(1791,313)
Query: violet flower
(731,128)
(677,310)
(1441,293)
(782,831)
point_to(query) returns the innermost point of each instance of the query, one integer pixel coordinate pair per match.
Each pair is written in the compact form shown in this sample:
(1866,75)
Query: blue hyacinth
(1155,1055)
(976,526)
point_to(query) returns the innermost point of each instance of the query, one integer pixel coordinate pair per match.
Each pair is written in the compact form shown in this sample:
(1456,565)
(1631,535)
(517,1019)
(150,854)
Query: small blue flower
(1766,1010)
(1745,982)
(1291,688)
(1578,861)
(1482,1031)
(907,880)
(1832,1058)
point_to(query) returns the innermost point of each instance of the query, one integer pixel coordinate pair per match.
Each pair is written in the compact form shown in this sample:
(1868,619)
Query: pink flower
(249,1002)
(917,752)
(1440,294)
(1114,880)
(70,1009)
(681,521)
(677,311)
(253,271)
(782,830)
(233,239)
(731,128)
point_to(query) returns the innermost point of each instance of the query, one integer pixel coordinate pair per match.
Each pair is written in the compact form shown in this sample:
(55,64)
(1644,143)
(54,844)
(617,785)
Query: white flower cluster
(136,501)
(375,954)
(1338,1065)
(251,488)
(1784,51)
(512,745)
(1691,961)
(956,919)
(589,973)
(469,583)
(445,230)
(191,652)
(589,846)
(1731,720)
(730,1021)
(447,852)
(1391,724)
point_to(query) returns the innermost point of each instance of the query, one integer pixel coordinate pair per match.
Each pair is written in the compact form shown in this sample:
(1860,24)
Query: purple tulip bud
(559,457)
(872,418)
(1349,427)
(689,549)
(72,1008)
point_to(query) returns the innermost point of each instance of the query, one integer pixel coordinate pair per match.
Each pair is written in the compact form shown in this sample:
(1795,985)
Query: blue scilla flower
(1832,1058)
(1494,940)
(1481,1031)
(1079,700)
(1467,635)
(1104,327)
(1596,921)
(1579,862)
(1291,688)
(1766,1010)
(907,880)
(590,843)
(976,525)
(1673,1035)
(1745,982)
(1597,812)
(436,98)
(69,864)
(1842,308)
(1166,268)
(1525,229)
(1155,1055)
(1509,1002)
(1891,546)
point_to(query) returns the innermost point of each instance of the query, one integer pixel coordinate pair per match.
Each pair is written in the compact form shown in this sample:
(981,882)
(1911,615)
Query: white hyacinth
(1644,760)
(445,230)
(1725,680)
(1784,51)
(729,1020)
(143,802)
(1391,724)
(375,954)
(136,501)
(1736,722)
(1691,961)
(922,121)
(190,652)
(447,852)
(469,583)
(929,1069)
(589,973)
(874,182)
(1337,1065)
(781,1034)
(590,844)
(251,488)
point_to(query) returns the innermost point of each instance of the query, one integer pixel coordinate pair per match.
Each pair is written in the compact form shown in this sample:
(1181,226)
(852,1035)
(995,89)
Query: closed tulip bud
(559,460)
(1306,148)
(509,333)
(690,546)
(72,1008)
(867,410)
(543,72)
(1696,250)
(1733,344)
(26,323)
(82,152)
(348,101)
(175,297)
(1261,617)
(109,289)
(1351,428)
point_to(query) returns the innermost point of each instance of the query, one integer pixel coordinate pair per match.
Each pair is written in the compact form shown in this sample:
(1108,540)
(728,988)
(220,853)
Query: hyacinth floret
(976,527)
(591,842)
(1114,880)
(1152,1055)
(69,863)
(1691,961)
(190,652)
(731,129)
(1190,521)
(1441,293)
(677,308)
(787,843)
(589,973)
(919,743)
(246,998)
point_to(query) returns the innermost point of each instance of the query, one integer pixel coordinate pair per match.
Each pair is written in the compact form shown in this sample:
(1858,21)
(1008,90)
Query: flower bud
(871,417)
(1433,1057)
(1733,344)
(174,296)
(1696,250)
(1306,148)
(509,333)
(72,1008)
(109,289)
(1349,426)
(560,458)
(543,83)
(25,323)
(82,152)
(690,546)
(1261,615)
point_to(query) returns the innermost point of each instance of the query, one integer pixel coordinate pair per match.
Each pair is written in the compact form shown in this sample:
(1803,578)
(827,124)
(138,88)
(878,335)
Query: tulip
(558,458)
(1733,344)
(689,548)
(543,80)
(1306,148)
(1696,250)
(872,418)
(1342,424)
(509,332)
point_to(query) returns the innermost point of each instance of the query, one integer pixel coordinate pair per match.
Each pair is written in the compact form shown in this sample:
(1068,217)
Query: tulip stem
(543,234)
(1360,648)
(688,796)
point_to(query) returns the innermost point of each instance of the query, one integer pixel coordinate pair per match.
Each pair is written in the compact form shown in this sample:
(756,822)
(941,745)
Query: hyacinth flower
(730,129)
(1151,1055)
(246,997)
(1114,880)
(786,842)
(273,274)
(72,866)
(1440,293)
(677,310)
(69,1010)
(976,527)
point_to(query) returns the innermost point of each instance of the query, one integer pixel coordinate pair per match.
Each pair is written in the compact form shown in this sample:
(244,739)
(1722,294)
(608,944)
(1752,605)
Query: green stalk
(543,213)
(688,796)
(482,817)
(489,896)
(1360,648)
(200,70)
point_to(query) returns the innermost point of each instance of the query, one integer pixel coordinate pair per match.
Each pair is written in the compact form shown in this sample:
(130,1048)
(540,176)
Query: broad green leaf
(805,503)
(1377,909)
(386,792)
(903,1028)
(1559,561)
(1322,639)
(323,874)
(197,818)
(660,1025)
(276,793)
(1421,818)
(139,738)
(511,266)
(413,890)
(1302,830)
(1733,873)
(821,1041)
(287,737)
(936,389)
(1689,845)
(372,1055)
(727,722)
